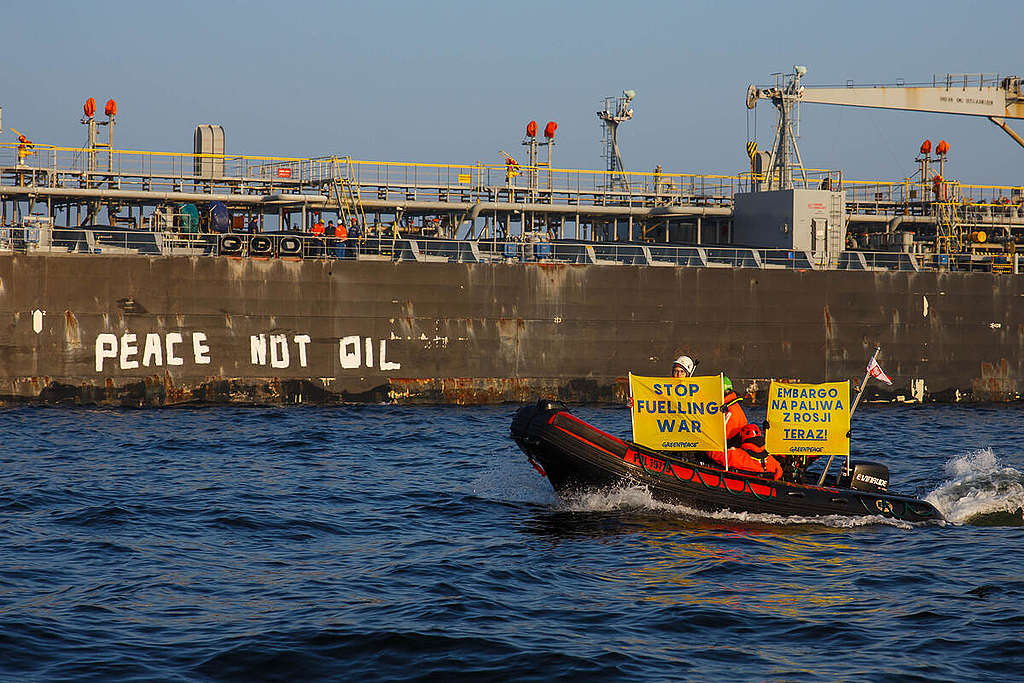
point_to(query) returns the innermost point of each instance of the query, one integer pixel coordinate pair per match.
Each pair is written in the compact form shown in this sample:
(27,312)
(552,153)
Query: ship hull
(160,330)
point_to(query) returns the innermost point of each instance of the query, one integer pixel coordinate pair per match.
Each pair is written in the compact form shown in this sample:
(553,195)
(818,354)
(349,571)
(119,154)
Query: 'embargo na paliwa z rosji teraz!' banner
(678,414)
(808,419)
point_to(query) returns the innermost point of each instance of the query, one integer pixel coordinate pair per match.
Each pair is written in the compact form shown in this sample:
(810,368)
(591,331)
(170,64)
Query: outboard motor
(869,476)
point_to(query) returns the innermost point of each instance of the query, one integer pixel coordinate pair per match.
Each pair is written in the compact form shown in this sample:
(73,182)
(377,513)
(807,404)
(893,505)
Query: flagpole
(864,382)
(856,401)
(725,430)
(632,407)
(860,393)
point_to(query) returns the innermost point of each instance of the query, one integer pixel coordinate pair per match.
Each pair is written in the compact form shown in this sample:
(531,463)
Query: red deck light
(531,129)
(926,147)
(90,107)
(549,130)
(111,108)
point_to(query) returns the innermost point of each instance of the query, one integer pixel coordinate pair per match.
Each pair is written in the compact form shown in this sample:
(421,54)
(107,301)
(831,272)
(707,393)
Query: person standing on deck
(341,241)
(329,240)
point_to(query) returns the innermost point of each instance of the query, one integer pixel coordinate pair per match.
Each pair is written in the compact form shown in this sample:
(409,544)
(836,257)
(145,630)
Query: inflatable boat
(575,456)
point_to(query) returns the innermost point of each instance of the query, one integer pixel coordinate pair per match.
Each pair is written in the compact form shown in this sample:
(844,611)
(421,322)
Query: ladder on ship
(345,193)
(949,209)
(1003,263)
(1000,258)
(836,239)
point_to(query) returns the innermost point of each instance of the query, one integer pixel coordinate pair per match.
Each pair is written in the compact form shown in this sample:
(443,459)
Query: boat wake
(638,497)
(980,491)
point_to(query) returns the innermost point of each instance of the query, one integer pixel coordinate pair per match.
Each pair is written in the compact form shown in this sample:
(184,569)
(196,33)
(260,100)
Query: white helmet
(686,363)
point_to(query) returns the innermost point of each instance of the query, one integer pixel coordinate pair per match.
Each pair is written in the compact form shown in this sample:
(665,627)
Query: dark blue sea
(400,543)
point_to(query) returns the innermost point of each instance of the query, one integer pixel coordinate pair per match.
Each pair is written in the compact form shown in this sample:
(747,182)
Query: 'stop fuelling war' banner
(678,414)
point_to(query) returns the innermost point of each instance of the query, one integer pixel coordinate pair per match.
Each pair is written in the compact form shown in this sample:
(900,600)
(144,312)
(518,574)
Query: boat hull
(576,456)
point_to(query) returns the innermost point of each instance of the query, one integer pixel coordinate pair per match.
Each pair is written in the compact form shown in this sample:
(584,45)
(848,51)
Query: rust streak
(72,334)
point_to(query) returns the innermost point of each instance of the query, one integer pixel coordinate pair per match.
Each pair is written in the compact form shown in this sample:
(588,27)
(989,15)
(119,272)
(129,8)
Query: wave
(396,654)
(980,491)
(638,497)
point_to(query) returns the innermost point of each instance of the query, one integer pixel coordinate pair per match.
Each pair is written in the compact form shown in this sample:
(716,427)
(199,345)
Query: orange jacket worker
(736,419)
(751,455)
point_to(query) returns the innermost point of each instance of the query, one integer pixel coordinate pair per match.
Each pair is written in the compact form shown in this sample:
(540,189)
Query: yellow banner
(808,419)
(678,414)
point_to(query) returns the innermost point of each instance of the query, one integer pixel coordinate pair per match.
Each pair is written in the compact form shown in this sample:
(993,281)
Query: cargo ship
(149,279)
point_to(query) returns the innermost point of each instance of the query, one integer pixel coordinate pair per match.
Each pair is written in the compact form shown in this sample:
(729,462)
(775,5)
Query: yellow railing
(811,178)
(948,229)
(171,170)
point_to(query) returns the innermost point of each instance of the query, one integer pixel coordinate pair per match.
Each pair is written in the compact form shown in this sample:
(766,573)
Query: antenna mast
(615,111)
(786,97)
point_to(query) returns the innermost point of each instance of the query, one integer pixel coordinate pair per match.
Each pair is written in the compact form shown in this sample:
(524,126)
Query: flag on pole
(875,370)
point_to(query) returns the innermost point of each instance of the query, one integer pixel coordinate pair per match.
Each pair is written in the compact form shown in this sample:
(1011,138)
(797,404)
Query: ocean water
(383,543)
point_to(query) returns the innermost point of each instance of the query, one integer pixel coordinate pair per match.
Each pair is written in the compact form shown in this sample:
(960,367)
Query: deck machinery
(779,203)
(803,211)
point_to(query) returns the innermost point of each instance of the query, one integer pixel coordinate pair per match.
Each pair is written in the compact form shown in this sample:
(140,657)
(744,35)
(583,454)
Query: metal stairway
(949,209)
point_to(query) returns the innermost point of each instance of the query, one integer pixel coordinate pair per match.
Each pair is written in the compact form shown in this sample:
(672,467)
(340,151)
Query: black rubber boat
(576,456)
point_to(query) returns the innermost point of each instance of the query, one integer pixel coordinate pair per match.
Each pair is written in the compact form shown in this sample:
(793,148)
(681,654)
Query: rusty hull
(482,333)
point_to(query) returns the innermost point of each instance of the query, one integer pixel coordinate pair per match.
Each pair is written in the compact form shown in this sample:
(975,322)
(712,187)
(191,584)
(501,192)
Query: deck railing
(52,166)
(257,176)
(385,244)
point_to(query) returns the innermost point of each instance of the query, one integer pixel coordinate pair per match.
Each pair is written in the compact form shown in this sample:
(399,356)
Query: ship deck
(74,185)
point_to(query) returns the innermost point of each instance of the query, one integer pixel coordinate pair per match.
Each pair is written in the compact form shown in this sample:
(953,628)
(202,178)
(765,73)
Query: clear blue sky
(457,81)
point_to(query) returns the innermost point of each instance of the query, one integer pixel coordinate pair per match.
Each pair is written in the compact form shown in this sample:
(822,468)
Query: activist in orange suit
(750,456)
(735,419)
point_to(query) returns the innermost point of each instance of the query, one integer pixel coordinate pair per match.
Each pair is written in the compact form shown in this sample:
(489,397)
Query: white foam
(978,484)
(638,497)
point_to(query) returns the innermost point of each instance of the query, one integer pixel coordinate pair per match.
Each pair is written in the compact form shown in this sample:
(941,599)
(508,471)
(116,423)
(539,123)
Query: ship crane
(986,95)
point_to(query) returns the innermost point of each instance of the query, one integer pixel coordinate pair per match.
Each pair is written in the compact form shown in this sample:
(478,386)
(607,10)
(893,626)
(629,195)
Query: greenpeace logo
(678,444)
(807,449)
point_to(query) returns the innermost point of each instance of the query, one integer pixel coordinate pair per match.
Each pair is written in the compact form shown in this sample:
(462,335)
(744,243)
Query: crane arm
(987,100)
(997,100)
